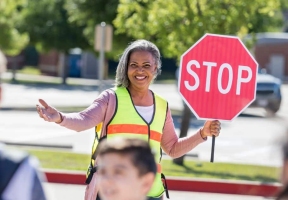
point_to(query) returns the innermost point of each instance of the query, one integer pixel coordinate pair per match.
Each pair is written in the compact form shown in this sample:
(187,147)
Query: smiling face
(119,178)
(141,69)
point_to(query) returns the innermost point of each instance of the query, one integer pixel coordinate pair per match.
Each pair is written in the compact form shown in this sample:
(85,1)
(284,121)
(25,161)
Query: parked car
(268,92)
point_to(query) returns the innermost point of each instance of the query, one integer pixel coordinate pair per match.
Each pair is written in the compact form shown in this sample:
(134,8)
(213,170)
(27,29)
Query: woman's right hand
(48,113)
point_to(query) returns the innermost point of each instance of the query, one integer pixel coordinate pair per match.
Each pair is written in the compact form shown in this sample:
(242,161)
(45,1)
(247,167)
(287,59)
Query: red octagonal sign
(217,77)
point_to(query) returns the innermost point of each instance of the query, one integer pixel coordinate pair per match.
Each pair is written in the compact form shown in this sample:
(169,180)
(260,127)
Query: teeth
(140,77)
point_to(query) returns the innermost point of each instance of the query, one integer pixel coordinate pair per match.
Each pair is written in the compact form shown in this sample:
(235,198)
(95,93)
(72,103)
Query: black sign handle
(212,150)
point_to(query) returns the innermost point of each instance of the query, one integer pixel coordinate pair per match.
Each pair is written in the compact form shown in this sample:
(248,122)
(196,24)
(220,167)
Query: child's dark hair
(138,150)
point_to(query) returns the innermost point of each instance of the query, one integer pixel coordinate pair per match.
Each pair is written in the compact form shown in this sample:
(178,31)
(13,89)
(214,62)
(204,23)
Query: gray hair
(138,45)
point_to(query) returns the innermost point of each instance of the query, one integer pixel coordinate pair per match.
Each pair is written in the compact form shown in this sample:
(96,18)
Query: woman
(131,109)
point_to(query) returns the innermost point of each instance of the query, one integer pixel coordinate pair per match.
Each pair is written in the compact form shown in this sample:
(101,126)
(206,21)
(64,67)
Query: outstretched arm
(77,121)
(48,113)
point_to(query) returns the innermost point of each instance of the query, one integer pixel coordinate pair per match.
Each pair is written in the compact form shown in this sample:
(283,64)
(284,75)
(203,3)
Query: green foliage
(31,70)
(11,40)
(173,25)
(93,12)
(47,24)
(284,4)
(176,25)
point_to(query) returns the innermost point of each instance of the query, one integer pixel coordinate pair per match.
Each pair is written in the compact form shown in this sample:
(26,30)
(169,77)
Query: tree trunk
(63,62)
(0,90)
(185,122)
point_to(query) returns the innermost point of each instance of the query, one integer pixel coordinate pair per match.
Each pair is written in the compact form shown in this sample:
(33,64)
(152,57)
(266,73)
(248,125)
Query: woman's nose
(140,69)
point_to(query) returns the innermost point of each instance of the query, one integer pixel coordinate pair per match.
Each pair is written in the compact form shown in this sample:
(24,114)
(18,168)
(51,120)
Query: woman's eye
(133,65)
(146,66)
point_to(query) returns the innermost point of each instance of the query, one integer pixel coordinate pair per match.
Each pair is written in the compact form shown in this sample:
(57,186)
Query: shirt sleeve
(174,146)
(88,118)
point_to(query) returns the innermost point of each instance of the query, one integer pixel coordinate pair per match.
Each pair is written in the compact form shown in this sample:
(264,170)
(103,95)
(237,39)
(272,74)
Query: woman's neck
(141,97)
(139,93)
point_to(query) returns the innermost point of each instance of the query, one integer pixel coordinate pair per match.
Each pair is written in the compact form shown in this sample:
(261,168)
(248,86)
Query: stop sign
(217,77)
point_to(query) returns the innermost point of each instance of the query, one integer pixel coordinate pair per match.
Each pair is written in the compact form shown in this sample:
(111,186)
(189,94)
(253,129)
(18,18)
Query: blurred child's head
(126,169)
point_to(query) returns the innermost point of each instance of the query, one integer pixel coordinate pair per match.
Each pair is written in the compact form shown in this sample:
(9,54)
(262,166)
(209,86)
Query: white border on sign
(180,69)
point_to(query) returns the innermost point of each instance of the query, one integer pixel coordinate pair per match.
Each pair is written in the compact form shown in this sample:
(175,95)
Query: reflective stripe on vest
(127,122)
(137,129)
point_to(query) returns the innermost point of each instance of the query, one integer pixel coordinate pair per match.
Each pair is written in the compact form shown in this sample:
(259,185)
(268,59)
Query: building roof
(270,38)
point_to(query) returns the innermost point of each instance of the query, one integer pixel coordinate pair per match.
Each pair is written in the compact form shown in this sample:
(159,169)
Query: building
(271,53)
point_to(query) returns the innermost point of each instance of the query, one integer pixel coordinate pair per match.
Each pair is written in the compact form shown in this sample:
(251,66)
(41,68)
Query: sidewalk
(55,191)
(79,93)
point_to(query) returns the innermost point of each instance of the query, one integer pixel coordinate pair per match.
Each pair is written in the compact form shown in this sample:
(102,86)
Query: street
(251,138)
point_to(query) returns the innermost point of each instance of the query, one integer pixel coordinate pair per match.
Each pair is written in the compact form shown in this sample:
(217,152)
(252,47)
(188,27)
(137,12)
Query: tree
(284,7)
(93,12)
(174,26)
(11,40)
(48,27)
(47,24)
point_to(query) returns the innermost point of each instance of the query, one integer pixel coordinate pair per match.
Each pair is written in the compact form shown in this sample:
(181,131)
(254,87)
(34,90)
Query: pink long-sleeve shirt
(102,110)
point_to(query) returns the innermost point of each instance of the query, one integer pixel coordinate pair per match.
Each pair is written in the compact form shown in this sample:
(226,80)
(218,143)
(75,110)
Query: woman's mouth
(140,77)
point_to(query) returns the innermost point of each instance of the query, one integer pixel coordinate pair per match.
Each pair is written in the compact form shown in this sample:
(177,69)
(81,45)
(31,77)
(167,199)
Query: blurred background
(54,52)
(52,35)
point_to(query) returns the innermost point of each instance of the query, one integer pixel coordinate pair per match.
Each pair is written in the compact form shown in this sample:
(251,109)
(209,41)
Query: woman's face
(141,69)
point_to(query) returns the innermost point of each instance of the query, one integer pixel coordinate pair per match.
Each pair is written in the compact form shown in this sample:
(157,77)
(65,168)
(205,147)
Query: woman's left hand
(211,128)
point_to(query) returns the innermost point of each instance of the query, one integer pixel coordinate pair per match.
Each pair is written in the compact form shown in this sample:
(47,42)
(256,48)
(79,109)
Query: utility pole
(103,42)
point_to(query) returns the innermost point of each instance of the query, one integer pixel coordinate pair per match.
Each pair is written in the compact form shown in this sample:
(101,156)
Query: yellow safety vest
(127,122)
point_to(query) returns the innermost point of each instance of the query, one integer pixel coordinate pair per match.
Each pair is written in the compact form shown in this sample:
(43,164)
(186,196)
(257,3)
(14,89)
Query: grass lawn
(29,70)
(200,169)
(197,169)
